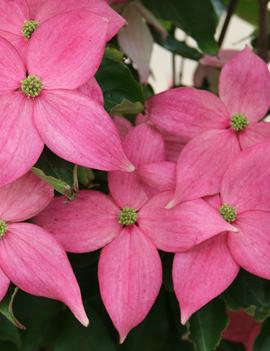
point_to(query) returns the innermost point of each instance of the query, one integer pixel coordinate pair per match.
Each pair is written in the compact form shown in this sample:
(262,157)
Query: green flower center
(127,216)
(31,86)
(239,122)
(228,213)
(3,228)
(28,28)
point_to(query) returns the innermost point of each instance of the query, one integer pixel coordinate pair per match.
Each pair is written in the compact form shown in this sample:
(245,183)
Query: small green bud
(228,213)
(28,28)
(239,122)
(31,86)
(127,216)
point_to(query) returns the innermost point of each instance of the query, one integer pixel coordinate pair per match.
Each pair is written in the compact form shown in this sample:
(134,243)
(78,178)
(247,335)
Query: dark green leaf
(262,342)
(207,324)
(57,172)
(8,346)
(42,317)
(197,18)
(226,345)
(6,307)
(251,293)
(118,83)
(176,47)
(8,332)
(97,337)
(152,333)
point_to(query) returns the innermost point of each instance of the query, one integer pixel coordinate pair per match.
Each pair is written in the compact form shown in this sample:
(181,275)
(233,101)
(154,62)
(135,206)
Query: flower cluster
(190,178)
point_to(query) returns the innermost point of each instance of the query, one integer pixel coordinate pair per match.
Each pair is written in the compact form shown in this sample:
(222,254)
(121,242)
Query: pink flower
(130,229)
(220,60)
(39,102)
(173,144)
(20,18)
(220,128)
(209,68)
(206,270)
(29,256)
(145,148)
(242,329)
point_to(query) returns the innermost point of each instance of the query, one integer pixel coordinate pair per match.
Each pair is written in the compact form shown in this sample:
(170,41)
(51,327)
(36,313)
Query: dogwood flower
(129,228)
(145,148)
(21,18)
(205,271)
(220,128)
(173,144)
(29,256)
(40,104)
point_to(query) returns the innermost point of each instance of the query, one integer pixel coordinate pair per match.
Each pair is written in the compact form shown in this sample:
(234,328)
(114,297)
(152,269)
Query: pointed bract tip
(234,229)
(171,204)
(122,338)
(85,322)
(184,320)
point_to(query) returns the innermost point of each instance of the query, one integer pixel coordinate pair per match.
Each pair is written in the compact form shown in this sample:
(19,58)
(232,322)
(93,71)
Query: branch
(230,11)
(263,40)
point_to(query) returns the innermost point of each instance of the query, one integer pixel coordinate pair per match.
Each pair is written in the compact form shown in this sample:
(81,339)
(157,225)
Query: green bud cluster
(127,216)
(228,213)
(28,28)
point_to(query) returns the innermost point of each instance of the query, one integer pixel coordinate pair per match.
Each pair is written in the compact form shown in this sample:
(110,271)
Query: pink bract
(214,264)
(172,143)
(145,148)
(131,229)
(62,59)
(216,126)
(29,256)
(242,329)
(14,15)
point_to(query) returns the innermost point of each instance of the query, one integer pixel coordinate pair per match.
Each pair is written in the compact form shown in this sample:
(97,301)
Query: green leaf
(85,177)
(207,324)
(262,342)
(57,172)
(114,54)
(176,47)
(197,18)
(118,83)
(251,293)
(6,308)
(127,107)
